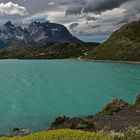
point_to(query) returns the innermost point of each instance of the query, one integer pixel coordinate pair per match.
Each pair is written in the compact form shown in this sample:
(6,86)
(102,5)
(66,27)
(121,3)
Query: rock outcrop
(117,115)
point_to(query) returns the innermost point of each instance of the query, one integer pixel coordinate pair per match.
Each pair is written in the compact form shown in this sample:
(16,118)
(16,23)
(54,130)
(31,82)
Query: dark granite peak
(36,33)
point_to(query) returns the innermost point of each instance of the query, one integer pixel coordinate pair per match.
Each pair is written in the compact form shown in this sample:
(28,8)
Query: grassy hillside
(64,134)
(124,45)
(54,51)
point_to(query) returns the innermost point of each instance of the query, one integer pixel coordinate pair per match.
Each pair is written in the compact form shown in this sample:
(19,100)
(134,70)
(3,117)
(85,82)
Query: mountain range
(35,34)
(53,41)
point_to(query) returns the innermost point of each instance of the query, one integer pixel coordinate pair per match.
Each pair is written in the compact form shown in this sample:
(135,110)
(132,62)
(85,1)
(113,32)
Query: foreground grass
(64,134)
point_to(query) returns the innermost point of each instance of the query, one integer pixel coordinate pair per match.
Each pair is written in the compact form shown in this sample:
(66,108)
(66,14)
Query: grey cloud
(71,2)
(125,19)
(88,18)
(73,25)
(88,33)
(132,10)
(74,10)
(98,6)
(96,26)
(92,6)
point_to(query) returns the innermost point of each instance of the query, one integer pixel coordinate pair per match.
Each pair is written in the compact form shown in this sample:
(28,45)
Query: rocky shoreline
(110,61)
(115,116)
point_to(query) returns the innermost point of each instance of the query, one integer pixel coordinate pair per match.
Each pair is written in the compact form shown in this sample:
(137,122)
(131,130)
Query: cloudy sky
(90,20)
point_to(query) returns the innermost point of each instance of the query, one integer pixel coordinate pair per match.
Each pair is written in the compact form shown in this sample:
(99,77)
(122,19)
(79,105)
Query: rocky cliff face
(35,34)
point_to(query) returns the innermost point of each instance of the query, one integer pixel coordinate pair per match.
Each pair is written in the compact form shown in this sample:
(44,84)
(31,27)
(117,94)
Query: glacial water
(34,92)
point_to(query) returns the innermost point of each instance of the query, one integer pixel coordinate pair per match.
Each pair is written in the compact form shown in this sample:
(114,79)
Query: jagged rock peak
(9,24)
(35,34)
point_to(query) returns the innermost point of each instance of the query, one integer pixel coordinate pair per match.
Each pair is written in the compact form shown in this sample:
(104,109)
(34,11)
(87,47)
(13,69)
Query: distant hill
(123,44)
(50,51)
(35,34)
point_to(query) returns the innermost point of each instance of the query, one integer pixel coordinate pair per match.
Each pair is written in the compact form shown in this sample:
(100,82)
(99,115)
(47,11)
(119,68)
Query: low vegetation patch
(114,107)
(63,134)
(110,109)
(131,133)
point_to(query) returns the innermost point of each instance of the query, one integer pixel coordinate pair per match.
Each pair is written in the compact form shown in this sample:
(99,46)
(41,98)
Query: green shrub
(110,109)
(60,120)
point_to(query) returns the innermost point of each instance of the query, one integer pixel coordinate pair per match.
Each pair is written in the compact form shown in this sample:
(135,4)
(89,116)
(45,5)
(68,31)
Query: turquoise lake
(34,92)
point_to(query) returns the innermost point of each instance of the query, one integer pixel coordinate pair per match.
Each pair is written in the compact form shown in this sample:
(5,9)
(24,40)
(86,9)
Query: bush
(114,107)
(110,109)
(60,120)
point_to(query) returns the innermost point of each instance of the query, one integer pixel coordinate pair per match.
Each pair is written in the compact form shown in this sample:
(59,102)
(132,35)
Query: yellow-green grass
(63,134)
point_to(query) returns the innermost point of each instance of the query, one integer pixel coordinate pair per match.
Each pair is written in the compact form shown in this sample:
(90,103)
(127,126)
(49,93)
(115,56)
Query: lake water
(34,92)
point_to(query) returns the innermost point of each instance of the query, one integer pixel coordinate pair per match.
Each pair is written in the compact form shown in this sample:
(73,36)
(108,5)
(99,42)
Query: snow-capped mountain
(35,34)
